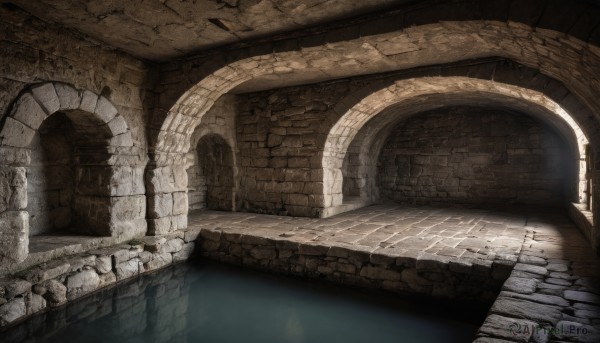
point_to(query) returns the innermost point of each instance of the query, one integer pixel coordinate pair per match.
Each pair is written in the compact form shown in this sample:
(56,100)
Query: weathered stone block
(15,287)
(263,253)
(107,279)
(14,236)
(581,296)
(166,179)
(81,283)
(28,111)
(128,269)
(153,244)
(379,273)
(35,303)
(526,310)
(46,95)
(160,226)
(520,285)
(117,125)
(103,264)
(185,253)
(12,311)
(172,245)
(158,261)
(191,235)
(56,292)
(13,189)
(16,134)
(179,222)
(128,208)
(160,205)
(519,330)
(180,203)
(69,97)
(104,109)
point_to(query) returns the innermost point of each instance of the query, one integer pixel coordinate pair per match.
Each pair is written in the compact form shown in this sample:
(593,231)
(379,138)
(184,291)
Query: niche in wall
(211,177)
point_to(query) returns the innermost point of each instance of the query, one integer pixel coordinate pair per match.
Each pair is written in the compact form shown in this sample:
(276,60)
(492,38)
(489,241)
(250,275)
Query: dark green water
(213,303)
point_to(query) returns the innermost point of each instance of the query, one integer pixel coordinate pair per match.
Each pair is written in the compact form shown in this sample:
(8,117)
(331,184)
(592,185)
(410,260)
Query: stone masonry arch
(410,94)
(108,202)
(454,41)
(360,162)
(544,50)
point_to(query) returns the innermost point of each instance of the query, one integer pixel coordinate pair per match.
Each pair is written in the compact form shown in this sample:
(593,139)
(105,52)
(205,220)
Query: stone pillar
(110,201)
(14,219)
(166,189)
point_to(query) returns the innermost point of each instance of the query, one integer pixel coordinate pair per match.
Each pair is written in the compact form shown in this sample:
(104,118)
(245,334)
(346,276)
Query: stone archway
(416,95)
(105,197)
(184,105)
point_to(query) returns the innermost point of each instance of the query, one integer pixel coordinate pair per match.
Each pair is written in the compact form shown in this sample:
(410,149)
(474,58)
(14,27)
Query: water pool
(215,303)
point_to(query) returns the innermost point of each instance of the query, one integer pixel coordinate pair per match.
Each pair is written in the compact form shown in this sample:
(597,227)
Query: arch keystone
(46,95)
(69,97)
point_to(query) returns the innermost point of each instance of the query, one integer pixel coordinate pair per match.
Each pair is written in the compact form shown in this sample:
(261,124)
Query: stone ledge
(352,265)
(82,266)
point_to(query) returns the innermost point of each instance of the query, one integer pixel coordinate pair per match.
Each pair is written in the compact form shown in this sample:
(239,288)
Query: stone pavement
(551,294)
(471,234)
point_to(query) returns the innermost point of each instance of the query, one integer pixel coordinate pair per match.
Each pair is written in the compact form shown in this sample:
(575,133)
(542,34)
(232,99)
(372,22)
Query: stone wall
(59,281)
(105,95)
(392,270)
(280,134)
(473,155)
(153,305)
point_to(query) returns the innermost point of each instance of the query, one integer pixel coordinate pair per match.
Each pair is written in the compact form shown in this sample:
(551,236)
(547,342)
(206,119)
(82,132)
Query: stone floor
(453,232)
(552,294)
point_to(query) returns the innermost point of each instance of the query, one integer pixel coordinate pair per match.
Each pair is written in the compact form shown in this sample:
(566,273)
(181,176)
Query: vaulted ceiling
(158,30)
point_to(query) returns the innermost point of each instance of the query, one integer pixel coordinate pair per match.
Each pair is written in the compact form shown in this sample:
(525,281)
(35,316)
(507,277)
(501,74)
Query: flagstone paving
(552,293)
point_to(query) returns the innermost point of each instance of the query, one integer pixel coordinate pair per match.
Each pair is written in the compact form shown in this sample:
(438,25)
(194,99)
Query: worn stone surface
(124,133)
(469,166)
(81,283)
(12,310)
(56,292)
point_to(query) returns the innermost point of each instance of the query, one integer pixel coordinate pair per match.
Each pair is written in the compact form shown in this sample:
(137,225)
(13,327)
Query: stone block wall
(62,280)
(154,305)
(104,94)
(473,155)
(397,271)
(280,136)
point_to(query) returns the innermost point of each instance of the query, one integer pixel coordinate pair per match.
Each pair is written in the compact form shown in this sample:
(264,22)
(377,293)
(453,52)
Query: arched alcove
(51,176)
(352,145)
(211,180)
(477,156)
(58,147)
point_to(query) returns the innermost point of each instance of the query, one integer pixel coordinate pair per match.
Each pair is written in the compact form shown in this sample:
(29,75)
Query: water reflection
(211,303)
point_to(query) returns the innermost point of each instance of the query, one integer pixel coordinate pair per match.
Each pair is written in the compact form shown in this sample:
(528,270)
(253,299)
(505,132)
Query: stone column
(14,219)
(166,190)
(109,199)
